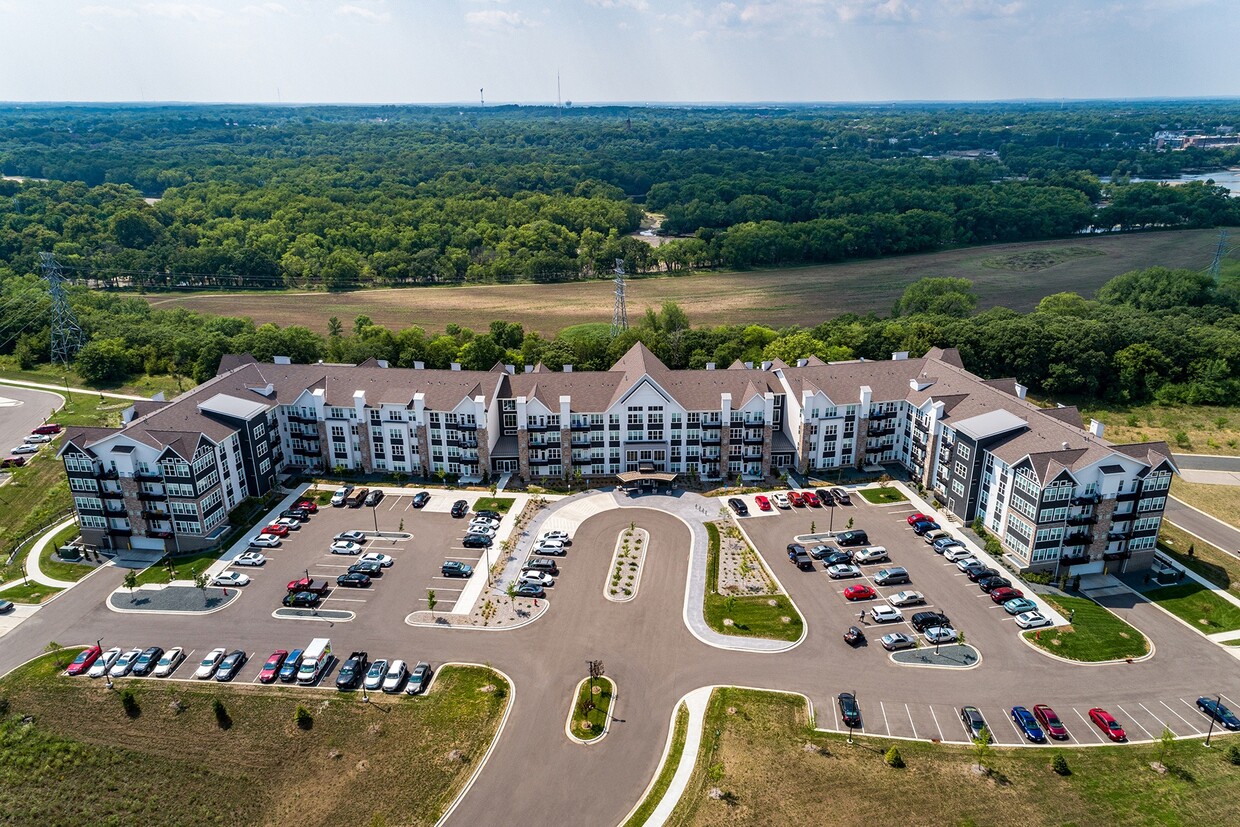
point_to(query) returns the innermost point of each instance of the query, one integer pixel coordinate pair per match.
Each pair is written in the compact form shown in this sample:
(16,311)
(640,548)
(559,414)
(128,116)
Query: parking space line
(886,725)
(835,714)
(1020,736)
(1181,717)
(909,713)
(344,600)
(1133,719)
(1152,715)
(1229,700)
(395,502)
(1088,725)
(936,724)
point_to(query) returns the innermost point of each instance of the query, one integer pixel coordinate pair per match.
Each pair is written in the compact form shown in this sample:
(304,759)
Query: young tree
(1165,742)
(131,582)
(981,747)
(596,672)
(200,583)
(431,602)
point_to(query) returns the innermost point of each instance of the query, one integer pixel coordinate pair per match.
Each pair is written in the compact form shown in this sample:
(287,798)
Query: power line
(67,336)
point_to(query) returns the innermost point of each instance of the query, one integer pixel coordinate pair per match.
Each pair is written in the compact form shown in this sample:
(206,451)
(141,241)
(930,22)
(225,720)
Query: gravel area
(172,599)
(740,570)
(496,611)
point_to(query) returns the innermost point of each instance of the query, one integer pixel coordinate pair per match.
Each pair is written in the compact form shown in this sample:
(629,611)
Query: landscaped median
(627,563)
(161,752)
(590,715)
(1094,635)
(769,615)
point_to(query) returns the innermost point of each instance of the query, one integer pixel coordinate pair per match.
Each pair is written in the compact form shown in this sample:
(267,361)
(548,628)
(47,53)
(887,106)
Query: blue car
(1020,605)
(922,527)
(1027,724)
(1221,714)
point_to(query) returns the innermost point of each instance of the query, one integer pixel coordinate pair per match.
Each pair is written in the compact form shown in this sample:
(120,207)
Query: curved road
(535,770)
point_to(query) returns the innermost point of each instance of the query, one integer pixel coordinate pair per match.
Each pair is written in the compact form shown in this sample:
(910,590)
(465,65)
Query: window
(1152,504)
(1136,543)
(957,488)
(185,509)
(1158,482)
(93,521)
(88,503)
(1053,515)
(187,527)
(1146,523)
(1027,484)
(961,469)
(264,466)
(1047,535)
(79,484)
(1023,506)
(962,451)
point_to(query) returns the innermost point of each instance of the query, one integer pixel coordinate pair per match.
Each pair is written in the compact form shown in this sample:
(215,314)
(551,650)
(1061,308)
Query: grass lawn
(1221,501)
(767,766)
(1194,429)
(882,496)
(1095,633)
(32,593)
(32,500)
(54,375)
(1198,606)
(500,504)
(185,567)
(670,764)
(58,569)
(751,615)
(398,761)
(590,727)
(1212,563)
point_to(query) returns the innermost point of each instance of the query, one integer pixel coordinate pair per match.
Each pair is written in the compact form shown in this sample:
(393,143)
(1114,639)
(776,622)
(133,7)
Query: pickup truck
(352,671)
(802,560)
(313,585)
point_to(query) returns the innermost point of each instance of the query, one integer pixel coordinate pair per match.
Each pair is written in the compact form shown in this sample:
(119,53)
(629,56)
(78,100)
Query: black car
(476,541)
(924,620)
(856,537)
(302,599)
(922,527)
(419,679)
(543,564)
(821,552)
(802,560)
(989,584)
(837,557)
(1220,713)
(850,712)
(354,579)
(490,515)
(230,665)
(979,572)
(368,568)
(374,497)
(973,721)
(854,636)
(824,497)
(795,549)
(841,496)
(421,498)
(301,515)
(529,590)
(147,661)
(460,508)
(738,505)
(352,671)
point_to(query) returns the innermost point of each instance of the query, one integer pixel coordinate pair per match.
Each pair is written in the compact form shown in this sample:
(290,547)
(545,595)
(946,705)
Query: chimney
(802,362)
(749,365)
(383,363)
(510,369)
(767,365)
(1095,428)
(1021,390)
(456,365)
(710,365)
(281,360)
(419,366)
(899,356)
(568,368)
(529,368)
(1065,445)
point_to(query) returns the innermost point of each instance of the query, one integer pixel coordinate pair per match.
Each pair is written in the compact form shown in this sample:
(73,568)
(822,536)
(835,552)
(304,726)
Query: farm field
(1012,275)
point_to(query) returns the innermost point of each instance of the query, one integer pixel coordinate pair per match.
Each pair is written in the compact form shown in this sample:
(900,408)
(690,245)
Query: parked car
(916,517)
(540,578)
(820,552)
(1031,620)
(354,579)
(795,549)
(12,462)
(475,540)
(367,567)
(271,669)
(38,439)
(460,508)
(307,505)
(250,558)
(781,501)
(482,530)
(907,598)
(855,537)
(420,499)
(966,563)
(542,564)
(854,636)
(209,663)
(395,676)
(871,554)
(957,553)
(824,497)
(973,721)
(231,578)
(841,496)
(1004,594)
(382,560)
(352,671)
(860,591)
(374,675)
(897,640)
(941,634)
(105,662)
(842,570)
(265,541)
(24,448)
(989,584)
(346,547)
(169,662)
(738,505)
(891,576)
(373,498)
(275,529)
(301,515)
(764,504)
(944,543)
(850,711)
(292,663)
(980,572)
(837,557)
(561,536)
(931,537)
(551,548)
(84,660)
(230,665)
(886,614)
(353,536)
(1050,722)
(340,495)
(358,498)
(529,590)
(1028,725)
(318,585)
(419,679)
(1105,722)
(921,621)
(488,512)
(925,526)
(1020,605)
(811,499)
(301,600)
(455,568)
(796,499)
(47,428)
(1213,708)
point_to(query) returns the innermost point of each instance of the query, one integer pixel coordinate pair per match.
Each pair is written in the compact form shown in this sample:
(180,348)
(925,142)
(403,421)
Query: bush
(130,704)
(1233,754)
(893,758)
(303,718)
(1060,764)
(221,714)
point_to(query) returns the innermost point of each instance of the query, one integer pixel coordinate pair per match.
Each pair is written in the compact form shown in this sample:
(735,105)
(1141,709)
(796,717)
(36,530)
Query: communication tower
(619,314)
(67,336)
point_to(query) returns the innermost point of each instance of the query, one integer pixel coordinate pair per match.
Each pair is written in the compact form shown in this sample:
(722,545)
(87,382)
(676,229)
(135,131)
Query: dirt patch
(1032,261)
(740,570)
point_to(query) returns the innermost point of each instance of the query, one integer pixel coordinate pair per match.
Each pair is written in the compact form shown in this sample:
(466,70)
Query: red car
(49,428)
(764,504)
(811,499)
(860,592)
(271,669)
(308,505)
(917,518)
(276,529)
(83,661)
(1004,594)
(1109,726)
(1050,722)
(796,499)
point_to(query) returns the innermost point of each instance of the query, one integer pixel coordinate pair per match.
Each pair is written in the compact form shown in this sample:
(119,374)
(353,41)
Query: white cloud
(106,11)
(498,19)
(363,13)
(636,5)
(264,9)
(184,11)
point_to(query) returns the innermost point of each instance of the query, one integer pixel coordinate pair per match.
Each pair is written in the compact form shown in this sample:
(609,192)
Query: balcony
(115,510)
(579,426)
(120,532)
(1118,535)
(107,474)
(1087,499)
(151,497)
(155,515)
(883,415)
(464,426)
(1127,497)
(148,476)
(302,420)
(1074,560)
(1082,538)
(754,439)
(711,439)
(306,452)
(1117,555)
(534,426)
(886,429)
(1082,519)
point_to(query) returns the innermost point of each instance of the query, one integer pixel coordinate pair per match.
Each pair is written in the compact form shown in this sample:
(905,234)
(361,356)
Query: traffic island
(955,656)
(1094,634)
(589,719)
(627,563)
(742,598)
(172,599)
(328,615)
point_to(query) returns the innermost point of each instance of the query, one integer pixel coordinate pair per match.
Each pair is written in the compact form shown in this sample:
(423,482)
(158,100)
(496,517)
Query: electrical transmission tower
(620,313)
(1220,253)
(67,336)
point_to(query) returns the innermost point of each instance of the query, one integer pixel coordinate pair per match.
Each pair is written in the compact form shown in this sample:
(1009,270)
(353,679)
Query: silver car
(374,677)
(124,664)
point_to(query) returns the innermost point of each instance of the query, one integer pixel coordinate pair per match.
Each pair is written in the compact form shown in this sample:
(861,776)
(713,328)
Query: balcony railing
(579,426)
(155,515)
(148,476)
(1082,519)
(107,474)
(302,420)
(152,497)
(1074,560)
(120,532)
(115,510)
(1117,555)
(1080,539)
(1087,499)
(306,452)
(464,426)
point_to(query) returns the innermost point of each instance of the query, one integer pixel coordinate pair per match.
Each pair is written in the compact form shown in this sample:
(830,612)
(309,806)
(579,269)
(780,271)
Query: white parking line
(344,600)
(936,724)
(1181,717)
(1132,719)
(835,713)
(886,725)
(1152,715)
(1229,700)
(1020,736)
(909,713)
(396,502)
(1088,725)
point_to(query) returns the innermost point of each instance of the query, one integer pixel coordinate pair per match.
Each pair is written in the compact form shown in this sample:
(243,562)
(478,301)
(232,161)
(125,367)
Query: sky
(439,51)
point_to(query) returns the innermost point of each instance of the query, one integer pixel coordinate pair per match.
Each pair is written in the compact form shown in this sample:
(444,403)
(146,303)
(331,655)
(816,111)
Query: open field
(766,766)
(387,762)
(751,615)
(801,295)
(1199,429)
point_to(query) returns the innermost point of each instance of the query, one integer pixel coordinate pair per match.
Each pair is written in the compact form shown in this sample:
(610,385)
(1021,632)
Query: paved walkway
(33,571)
(21,383)
(696,702)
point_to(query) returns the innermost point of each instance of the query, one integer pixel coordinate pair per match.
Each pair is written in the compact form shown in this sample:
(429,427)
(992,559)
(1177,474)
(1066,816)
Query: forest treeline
(1169,335)
(343,197)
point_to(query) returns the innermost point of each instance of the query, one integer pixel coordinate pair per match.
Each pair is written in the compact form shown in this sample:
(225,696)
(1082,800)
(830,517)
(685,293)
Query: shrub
(130,704)
(1060,764)
(302,717)
(893,758)
(1233,754)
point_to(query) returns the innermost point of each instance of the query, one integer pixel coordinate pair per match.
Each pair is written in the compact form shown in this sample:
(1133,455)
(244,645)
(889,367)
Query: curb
(572,707)
(542,609)
(1202,513)
(499,731)
(1122,661)
(108,602)
(892,657)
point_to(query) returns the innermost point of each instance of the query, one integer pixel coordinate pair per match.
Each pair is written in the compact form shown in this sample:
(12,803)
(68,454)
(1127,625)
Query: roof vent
(281,360)
(383,363)
(510,369)
(749,365)
(1065,445)
(767,365)
(710,365)
(802,362)
(1095,428)
(899,356)
(529,368)
(568,368)
(456,365)
(419,365)
(1021,390)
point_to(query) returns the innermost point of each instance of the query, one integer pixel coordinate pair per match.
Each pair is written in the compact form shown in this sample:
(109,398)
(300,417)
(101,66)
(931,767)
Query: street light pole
(374,512)
(1217,701)
(107,676)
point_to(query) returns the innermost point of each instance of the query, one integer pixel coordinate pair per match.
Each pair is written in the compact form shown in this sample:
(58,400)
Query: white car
(374,677)
(341,494)
(781,500)
(290,523)
(1031,620)
(906,599)
(169,662)
(265,541)
(250,558)
(395,676)
(24,448)
(841,570)
(957,553)
(479,528)
(538,578)
(37,439)
(208,665)
(124,664)
(876,554)
(375,557)
(104,662)
(231,578)
(940,634)
(886,614)
(965,562)
(491,521)
(562,536)
(351,536)
(346,547)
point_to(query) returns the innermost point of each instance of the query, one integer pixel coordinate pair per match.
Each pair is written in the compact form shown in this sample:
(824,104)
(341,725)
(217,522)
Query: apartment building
(1055,493)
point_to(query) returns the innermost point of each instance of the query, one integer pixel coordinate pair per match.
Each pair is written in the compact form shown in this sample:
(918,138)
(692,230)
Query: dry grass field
(1012,275)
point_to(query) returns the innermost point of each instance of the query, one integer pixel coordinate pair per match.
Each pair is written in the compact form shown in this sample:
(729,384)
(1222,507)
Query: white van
(870,554)
(314,660)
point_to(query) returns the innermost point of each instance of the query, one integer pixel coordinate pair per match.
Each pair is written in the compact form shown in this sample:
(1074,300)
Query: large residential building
(1055,493)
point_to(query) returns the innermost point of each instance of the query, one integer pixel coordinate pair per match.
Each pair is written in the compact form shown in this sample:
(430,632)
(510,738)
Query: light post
(107,673)
(365,697)
(1217,702)
(374,512)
